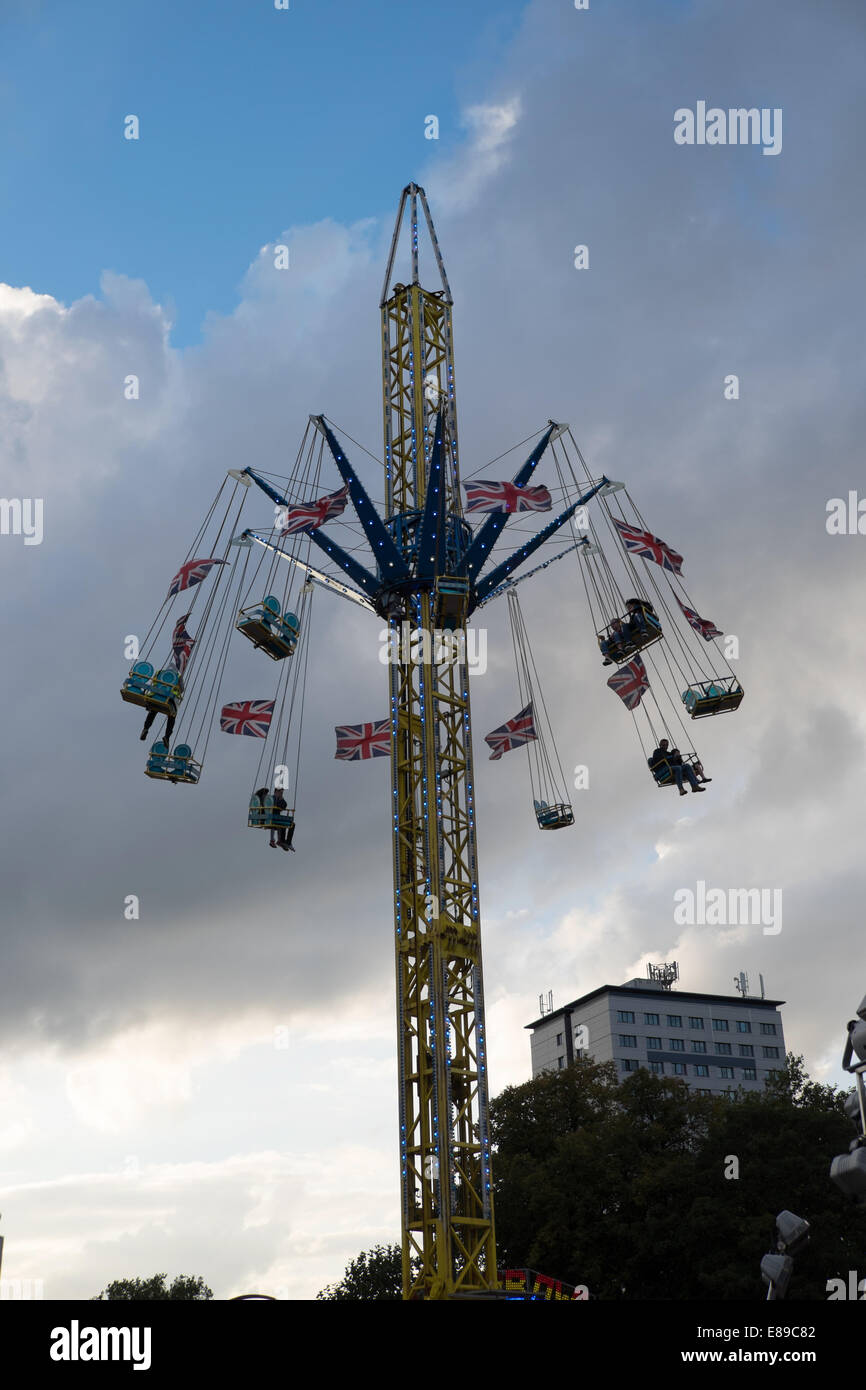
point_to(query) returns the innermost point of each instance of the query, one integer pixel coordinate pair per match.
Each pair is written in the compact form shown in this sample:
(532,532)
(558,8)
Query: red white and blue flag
(520,729)
(705,626)
(357,741)
(506,497)
(181,644)
(309,516)
(193,572)
(250,717)
(645,544)
(630,683)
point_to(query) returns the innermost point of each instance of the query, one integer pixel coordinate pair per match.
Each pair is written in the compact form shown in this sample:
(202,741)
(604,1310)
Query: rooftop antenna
(761,978)
(664,974)
(545,1009)
(741,983)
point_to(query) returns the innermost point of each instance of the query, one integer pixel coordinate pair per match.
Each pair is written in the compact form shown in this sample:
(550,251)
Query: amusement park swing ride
(430,569)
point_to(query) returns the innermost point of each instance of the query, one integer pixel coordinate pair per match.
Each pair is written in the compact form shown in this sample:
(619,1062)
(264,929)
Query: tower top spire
(412,194)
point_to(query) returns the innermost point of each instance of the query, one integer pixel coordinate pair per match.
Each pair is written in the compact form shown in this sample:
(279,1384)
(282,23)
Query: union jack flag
(630,682)
(193,572)
(705,626)
(357,741)
(181,644)
(520,729)
(311,515)
(649,546)
(250,717)
(506,497)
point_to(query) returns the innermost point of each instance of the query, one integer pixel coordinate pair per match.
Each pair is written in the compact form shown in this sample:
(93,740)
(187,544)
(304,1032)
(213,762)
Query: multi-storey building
(715,1042)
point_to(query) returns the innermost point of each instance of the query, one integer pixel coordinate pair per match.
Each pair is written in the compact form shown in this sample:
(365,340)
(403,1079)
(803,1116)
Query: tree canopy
(373,1276)
(643,1189)
(186,1287)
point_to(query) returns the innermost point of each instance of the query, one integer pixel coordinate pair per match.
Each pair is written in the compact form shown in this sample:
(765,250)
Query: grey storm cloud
(702,262)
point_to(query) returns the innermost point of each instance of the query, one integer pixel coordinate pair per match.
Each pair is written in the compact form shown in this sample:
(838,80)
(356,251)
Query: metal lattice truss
(426,575)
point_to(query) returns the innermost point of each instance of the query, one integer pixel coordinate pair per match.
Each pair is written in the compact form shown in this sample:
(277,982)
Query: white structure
(714,1042)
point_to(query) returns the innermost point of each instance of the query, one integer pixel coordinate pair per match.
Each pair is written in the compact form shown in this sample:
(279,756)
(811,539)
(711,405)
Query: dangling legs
(688,772)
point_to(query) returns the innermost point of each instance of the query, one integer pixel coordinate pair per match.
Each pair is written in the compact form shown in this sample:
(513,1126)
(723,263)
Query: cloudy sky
(211,1089)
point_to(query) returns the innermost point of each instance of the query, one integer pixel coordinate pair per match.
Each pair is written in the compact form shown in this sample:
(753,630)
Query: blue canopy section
(391,564)
(432,535)
(496,576)
(488,533)
(348,564)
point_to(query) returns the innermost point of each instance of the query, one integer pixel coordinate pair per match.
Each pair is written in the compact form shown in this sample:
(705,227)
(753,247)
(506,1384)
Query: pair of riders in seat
(281,835)
(666,764)
(640,623)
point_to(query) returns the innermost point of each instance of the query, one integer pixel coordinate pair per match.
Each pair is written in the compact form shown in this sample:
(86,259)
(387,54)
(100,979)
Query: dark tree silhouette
(184,1287)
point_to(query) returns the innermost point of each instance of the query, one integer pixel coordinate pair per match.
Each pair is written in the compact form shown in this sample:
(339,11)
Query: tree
(622,1186)
(184,1287)
(374,1275)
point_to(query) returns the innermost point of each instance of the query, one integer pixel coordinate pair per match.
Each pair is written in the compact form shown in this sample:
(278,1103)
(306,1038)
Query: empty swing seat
(267,630)
(554,817)
(182,767)
(136,687)
(451,603)
(718,696)
(158,761)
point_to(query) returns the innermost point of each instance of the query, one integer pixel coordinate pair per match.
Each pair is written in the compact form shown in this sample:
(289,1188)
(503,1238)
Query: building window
(723,1049)
(675,1020)
(651,1020)
(769,1051)
(625,1016)
(559,1040)
(696,1022)
(704,1091)
(676,1044)
(768,1029)
(657,1067)
(727,1072)
(743,1026)
(679,1068)
(627,1040)
(746,1050)
(653,1044)
(699,1047)
(628,1064)
(720,1025)
(560,1062)
(701,1069)
(750,1074)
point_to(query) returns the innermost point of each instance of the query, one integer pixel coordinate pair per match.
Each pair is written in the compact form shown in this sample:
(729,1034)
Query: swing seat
(267,630)
(158,762)
(182,767)
(663,773)
(451,601)
(718,696)
(554,817)
(639,630)
(268,817)
(164,693)
(135,689)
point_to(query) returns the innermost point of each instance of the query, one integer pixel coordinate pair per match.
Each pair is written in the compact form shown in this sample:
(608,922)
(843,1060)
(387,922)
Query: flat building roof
(652,991)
